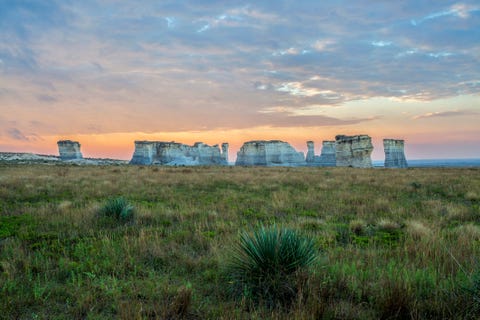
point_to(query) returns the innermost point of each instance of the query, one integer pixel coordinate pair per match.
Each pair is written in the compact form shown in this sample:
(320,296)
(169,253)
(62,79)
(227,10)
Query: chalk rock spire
(311,152)
(353,151)
(225,152)
(327,156)
(394,153)
(69,150)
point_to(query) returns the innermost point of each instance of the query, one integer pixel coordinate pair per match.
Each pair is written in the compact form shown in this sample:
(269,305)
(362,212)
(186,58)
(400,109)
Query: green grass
(12,225)
(390,243)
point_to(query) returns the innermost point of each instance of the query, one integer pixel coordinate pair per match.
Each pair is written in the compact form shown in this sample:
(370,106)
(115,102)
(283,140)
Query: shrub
(118,209)
(265,265)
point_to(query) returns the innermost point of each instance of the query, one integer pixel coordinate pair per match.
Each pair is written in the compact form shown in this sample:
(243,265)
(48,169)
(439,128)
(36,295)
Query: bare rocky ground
(31,158)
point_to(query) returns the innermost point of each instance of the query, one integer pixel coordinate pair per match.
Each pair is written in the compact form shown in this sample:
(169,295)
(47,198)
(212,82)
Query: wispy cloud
(230,18)
(451,113)
(16,134)
(304,117)
(171,21)
(46,98)
(440,54)
(457,10)
(299,89)
(323,44)
(381,43)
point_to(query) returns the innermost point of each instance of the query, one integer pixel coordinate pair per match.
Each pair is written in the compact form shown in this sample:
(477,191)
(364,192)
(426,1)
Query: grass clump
(265,265)
(117,209)
(472,291)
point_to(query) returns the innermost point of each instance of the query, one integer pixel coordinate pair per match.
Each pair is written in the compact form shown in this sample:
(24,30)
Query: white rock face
(173,153)
(394,153)
(69,150)
(328,157)
(269,153)
(26,157)
(225,152)
(144,152)
(310,159)
(353,151)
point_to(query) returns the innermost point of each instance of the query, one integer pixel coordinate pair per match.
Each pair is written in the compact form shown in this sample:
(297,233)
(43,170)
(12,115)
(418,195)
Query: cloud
(171,21)
(297,89)
(310,121)
(16,134)
(440,54)
(323,44)
(46,98)
(381,43)
(442,114)
(460,10)
(184,65)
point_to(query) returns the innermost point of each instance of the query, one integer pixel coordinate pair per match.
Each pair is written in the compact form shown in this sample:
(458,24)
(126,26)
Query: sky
(109,72)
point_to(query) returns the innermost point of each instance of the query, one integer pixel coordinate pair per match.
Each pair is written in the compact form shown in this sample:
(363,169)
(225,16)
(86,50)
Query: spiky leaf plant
(265,263)
(118,209)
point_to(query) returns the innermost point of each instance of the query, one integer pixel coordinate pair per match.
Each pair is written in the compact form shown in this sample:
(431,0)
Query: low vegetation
(116,209)
(265,265)
(373,243)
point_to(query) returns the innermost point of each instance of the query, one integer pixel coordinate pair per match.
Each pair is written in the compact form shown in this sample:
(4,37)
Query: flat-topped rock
(69,150)
(327,157)
(353,151)
(394,153)
(269,153)
(310,159)
(174,153)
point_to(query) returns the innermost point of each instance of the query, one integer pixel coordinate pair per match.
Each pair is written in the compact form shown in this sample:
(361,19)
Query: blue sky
(296,70)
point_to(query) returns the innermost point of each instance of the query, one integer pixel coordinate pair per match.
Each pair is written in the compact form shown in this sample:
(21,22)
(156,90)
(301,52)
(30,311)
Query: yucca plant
(118,209)
(265,263)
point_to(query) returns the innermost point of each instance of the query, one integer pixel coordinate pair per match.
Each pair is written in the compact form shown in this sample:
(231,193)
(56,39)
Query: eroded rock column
(225,152)
(144,152)
(353,151)
(311,152)
(394,153)
(327,156)
(69,150)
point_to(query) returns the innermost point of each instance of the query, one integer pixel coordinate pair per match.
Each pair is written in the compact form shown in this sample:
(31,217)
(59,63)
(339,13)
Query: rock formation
(310,159)
(327,157)
(69,150)
(225,152)
(269,153)
(394,153)
(173,153)
(353,151)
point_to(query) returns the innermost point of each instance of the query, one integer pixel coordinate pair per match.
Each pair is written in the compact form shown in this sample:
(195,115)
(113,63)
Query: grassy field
(391,244)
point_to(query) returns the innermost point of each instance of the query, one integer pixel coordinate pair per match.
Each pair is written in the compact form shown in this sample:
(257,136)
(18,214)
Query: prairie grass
(391,244)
